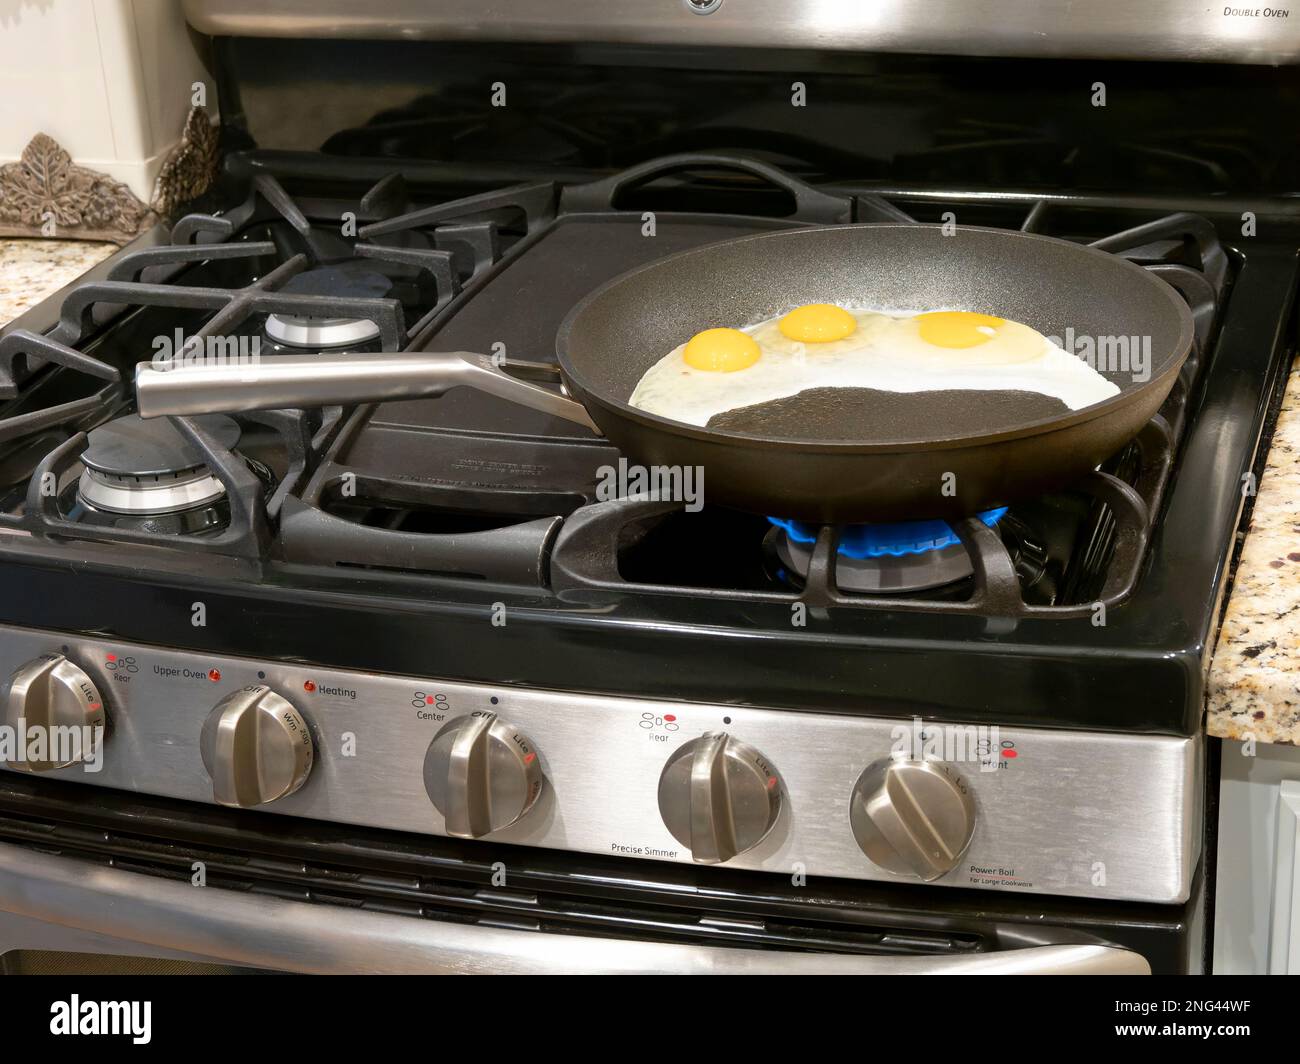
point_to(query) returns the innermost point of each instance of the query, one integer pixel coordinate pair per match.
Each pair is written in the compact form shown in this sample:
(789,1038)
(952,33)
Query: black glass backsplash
(914,120)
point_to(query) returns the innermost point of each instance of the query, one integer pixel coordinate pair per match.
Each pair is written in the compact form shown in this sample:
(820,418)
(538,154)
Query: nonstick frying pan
(832,456)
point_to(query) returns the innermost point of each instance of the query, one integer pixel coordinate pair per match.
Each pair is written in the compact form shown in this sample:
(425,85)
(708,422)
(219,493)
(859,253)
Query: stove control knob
(912,818)
(256,747)
(50,693)
(482,774)
(719,797)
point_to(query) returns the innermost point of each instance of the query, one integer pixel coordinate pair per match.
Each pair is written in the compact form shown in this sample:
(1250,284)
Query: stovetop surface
(464,536)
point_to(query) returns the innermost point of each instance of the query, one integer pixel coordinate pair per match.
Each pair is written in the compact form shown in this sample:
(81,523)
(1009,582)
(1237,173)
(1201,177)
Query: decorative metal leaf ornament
(190,168)
(46,194)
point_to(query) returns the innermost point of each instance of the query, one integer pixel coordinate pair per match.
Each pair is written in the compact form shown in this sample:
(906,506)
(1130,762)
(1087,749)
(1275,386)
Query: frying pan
(831,456)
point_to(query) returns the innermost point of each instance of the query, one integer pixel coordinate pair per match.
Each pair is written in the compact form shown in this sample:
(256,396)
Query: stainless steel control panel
(794,794)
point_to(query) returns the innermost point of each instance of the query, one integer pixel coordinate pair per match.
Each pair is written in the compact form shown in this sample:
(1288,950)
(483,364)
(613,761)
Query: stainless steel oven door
(60,903)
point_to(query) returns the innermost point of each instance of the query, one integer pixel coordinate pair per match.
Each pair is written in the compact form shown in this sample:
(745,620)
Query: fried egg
(821,345)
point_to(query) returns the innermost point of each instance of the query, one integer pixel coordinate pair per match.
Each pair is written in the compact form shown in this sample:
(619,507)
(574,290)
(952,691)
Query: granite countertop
(32,269)
(1254,682)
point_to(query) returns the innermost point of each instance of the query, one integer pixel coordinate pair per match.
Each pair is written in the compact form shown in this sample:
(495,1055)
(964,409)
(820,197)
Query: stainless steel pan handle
(335,380)
(265,932)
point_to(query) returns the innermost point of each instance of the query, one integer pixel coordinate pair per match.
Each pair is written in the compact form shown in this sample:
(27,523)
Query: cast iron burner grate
(1008,570)
(1056,556)
(467,487)
(889,559)
(302,275)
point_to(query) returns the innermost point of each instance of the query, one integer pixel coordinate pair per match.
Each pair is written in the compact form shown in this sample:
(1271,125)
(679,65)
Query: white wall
(108,79)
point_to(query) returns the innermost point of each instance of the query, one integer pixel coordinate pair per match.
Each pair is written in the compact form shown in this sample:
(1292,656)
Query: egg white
(886,353)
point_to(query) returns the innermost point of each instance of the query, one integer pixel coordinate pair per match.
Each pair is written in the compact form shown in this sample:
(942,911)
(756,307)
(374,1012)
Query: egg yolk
(721,350)
(957,328)
(817,323)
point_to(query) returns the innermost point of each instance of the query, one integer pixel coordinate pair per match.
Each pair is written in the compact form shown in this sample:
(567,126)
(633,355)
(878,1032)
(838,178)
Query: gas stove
(469,499)
(467,625)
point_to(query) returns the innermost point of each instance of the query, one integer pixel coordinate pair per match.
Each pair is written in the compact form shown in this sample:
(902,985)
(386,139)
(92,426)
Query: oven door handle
(261,932)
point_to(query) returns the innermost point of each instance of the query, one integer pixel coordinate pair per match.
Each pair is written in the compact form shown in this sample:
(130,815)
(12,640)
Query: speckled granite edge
(32,269)
(1254,683)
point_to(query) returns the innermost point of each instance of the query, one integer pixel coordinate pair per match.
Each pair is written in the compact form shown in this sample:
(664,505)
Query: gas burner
(882,559)
(146,475)
(350,280)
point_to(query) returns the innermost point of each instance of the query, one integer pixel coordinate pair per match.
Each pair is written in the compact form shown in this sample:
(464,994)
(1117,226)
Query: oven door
(53,903)
(122,881)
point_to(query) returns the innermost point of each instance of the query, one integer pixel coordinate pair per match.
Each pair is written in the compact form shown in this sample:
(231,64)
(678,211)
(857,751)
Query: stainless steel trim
(1152,29)
(295,936)
(47,696)
(712,819)
(912,816)
(285,381)
(320,332)
(482,774)
(255,748)
(718,796)
(469,806)
(1088,814)
(140,495)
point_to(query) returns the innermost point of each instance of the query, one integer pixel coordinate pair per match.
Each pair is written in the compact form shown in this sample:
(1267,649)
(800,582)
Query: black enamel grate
(196,239)
(1123,497)
(548,530)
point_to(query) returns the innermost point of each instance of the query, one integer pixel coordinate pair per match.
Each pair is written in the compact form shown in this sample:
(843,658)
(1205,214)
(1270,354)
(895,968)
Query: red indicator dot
(428,700)
(771,782)
(214,675)
(309,686)
(1009,753)
(529,758)
(669,716)
(94,705)
(112,657)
